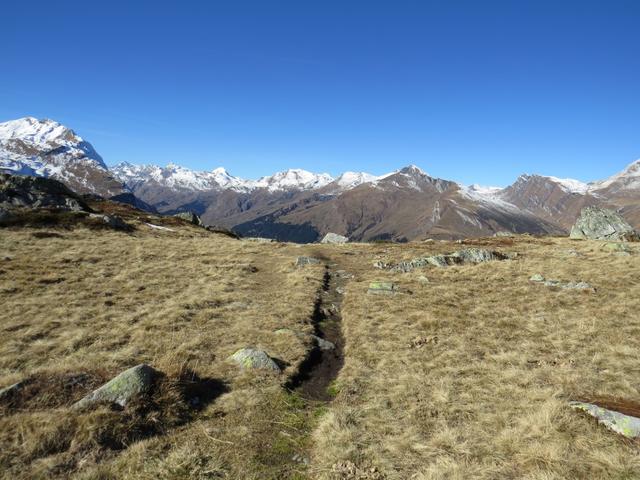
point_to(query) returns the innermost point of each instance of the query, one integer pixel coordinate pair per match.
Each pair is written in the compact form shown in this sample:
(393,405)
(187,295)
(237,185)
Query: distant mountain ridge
(297,205)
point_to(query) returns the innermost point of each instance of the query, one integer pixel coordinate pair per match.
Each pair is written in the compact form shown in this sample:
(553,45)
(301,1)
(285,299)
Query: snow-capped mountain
(176,177)
(29,146)
(626,180)
(294,179)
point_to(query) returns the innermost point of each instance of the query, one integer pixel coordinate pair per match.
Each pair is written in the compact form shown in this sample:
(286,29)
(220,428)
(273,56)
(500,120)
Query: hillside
(461,372)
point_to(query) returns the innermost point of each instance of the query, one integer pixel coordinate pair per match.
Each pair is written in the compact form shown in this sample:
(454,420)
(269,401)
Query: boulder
(625,425)
(252,359)
(504,234)
(190,217)
(37,192)
(119,390)
(597,223)
(334,238)
(301,261)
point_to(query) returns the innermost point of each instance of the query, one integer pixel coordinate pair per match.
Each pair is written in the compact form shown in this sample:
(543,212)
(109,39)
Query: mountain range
(297,205)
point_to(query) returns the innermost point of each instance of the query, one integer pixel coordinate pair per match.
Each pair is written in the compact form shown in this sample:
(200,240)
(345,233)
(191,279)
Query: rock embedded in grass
(616,247)
(9,392)
(190,217)
(537,278)
(382,288)
(471,256)
(252,359)
(301,261)
(625,425)
(121,389)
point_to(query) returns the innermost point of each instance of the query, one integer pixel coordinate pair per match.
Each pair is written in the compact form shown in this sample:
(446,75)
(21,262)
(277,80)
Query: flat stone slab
(122,388)
(252,359)
(382,288)
(537,278)
(625,425)
(302,261)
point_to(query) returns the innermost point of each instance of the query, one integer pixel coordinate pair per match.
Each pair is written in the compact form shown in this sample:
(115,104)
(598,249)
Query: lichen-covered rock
(190,217)
(597,223)
(471,256)
(625,425)
(301,261)
(334,238)
(119,390)
(382,288)
(252,359)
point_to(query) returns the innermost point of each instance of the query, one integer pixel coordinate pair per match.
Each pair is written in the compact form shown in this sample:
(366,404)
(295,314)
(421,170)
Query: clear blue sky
(475,91)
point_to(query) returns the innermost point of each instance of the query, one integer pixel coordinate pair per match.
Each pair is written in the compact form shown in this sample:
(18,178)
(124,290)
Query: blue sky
(474,91)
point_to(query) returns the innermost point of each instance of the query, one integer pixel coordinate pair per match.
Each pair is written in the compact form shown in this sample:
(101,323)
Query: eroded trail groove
(321,367)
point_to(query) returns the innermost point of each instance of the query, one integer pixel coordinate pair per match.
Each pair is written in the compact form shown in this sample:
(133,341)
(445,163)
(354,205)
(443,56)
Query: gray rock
(112,221)
(468,256)
(334,238)
(504,234)
(597,223)
(625,425)
(537,278)
(321,343)
(382,288)
(8,392)
(259,239)
(301,261)
(120,390)
(190,217)
(252,359)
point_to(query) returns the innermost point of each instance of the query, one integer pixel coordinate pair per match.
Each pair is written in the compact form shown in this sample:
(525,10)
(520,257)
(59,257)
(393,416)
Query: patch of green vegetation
(333,389)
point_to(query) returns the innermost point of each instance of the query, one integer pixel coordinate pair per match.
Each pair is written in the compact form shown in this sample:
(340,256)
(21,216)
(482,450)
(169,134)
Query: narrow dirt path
(321,367)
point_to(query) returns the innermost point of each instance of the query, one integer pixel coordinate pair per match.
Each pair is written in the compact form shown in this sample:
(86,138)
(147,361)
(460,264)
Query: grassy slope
(466,377)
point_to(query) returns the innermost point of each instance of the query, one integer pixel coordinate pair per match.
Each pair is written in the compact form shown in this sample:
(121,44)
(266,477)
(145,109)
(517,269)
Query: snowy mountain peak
(627,179)
(413,170)
(352,179)
(32,130)
(294,179)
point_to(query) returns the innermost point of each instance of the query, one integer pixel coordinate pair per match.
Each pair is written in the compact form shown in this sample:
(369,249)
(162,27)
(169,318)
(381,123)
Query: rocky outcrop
(302,261)
(382,288)
(252,359)
(468,256)
(121,389)
(597,223)
(37,192)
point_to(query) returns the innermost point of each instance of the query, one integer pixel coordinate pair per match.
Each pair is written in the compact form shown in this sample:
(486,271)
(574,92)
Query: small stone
(536,278)
(252,359)
(423,279)
(119,390)
(382,288)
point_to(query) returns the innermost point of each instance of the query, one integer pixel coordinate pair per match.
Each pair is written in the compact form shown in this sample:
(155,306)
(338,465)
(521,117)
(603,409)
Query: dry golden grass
(95,303)
(485,396)
(465,376)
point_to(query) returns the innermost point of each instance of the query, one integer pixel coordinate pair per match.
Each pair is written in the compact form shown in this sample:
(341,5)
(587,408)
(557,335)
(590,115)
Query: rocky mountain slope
(46,148)
(297,205)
